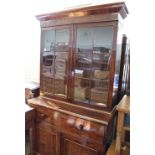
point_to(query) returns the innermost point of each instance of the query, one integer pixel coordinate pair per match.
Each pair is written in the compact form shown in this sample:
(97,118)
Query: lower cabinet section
(59,133)
(50,143)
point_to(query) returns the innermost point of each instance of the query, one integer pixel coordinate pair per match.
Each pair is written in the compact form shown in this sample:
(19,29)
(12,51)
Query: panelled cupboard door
(70,146)
(46,142)
(73,148)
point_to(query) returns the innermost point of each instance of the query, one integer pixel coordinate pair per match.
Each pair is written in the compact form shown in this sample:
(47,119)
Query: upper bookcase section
(104,9)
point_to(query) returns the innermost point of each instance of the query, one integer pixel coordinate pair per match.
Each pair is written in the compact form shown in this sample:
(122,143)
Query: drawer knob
(42,115)
(81,127)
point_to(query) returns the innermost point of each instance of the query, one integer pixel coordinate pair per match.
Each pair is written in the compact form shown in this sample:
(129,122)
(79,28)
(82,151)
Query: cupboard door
(74,146)
(46,142)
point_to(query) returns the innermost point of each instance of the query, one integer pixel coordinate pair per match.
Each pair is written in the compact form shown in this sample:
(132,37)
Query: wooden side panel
(45,142)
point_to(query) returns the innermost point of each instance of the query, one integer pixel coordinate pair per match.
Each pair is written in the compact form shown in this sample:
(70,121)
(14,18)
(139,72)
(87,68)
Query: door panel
(73,148)
(46,142)
(79,146)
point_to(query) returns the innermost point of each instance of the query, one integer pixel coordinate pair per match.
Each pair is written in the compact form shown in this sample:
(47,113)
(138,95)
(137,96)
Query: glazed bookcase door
(92,59)
(55,61)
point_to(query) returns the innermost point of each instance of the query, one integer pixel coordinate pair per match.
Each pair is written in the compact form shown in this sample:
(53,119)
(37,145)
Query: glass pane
(81,94)
(83,61)
(84,38)
(82,90)
(102,85)
(61,62)
(48,52)
(84,48)
(48,84)
(99,88)
(48,60)
(103,37)
(101,75)
(78,73)
(61,55)
(101,55)
(60,86)
(84,55)
(49,40)
(102,47)
(101,59)
(100,65)
(60,67)
(62,40)
(98,97)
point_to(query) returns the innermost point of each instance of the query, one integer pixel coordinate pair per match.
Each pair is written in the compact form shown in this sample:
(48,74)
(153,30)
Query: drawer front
(79,127)
(49,116)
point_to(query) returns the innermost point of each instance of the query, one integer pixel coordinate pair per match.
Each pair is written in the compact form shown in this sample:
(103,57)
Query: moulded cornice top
(119,7)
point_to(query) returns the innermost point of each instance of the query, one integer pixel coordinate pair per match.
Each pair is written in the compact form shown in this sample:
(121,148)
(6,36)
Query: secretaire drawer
(81,127)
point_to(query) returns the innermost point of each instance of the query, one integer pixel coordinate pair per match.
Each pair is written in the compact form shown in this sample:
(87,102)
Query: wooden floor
(111,150)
